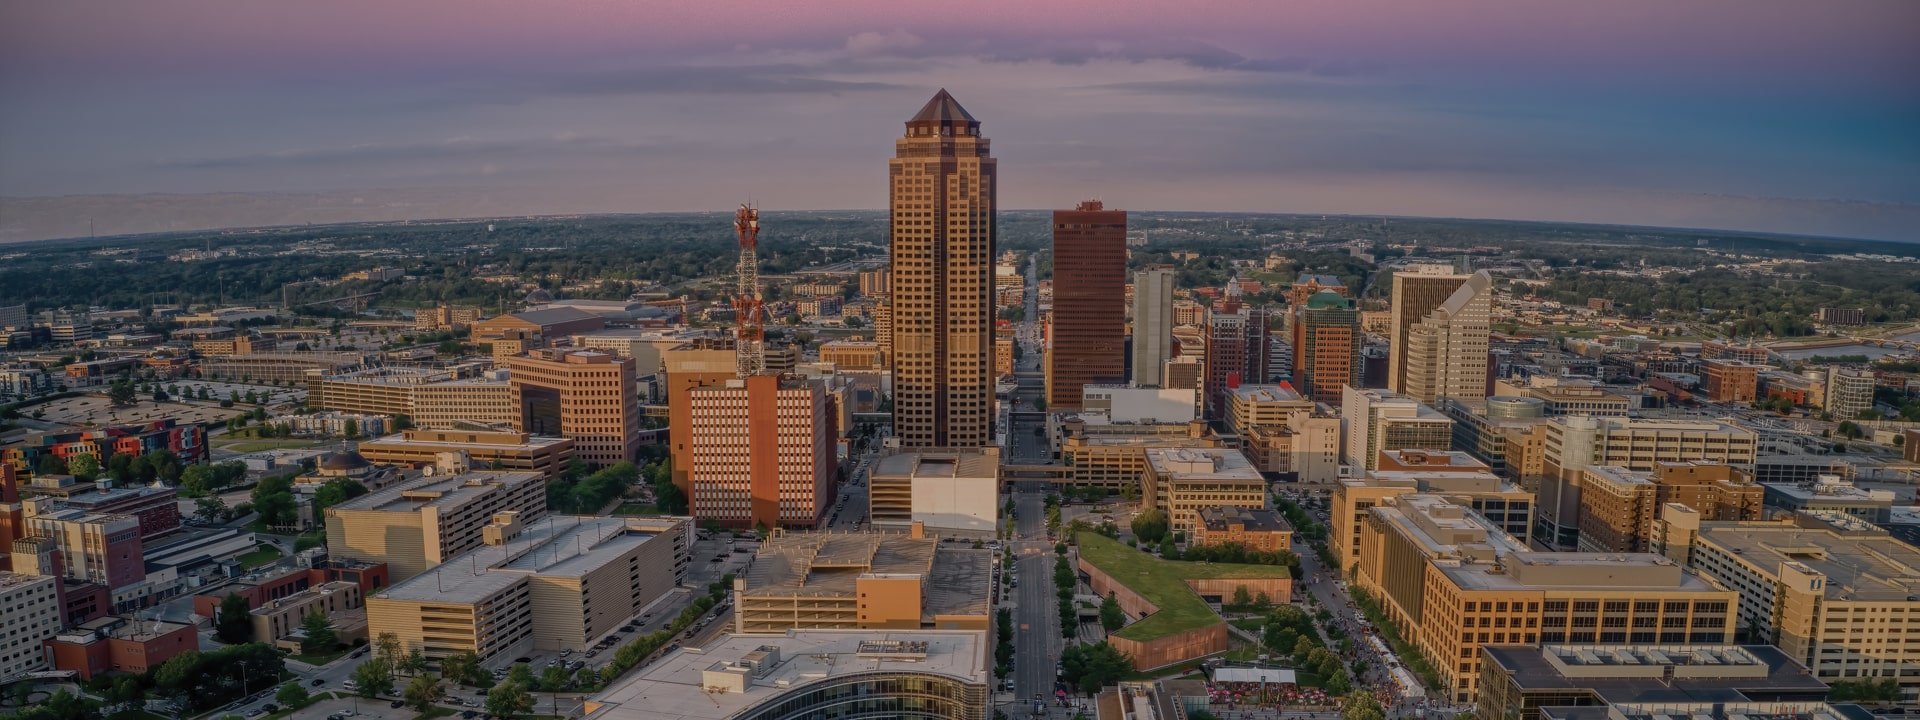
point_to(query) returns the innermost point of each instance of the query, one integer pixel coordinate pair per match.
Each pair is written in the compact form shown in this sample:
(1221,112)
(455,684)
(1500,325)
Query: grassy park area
(1163,583)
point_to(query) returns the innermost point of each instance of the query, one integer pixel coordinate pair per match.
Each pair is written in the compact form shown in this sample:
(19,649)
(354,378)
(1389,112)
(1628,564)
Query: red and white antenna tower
(749,335)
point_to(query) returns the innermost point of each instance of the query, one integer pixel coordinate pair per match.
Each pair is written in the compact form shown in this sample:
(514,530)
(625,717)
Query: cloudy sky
(1780,115)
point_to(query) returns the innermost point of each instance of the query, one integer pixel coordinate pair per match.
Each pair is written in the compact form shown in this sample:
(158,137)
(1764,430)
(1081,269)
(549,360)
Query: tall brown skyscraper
(941,187)
(1089,302)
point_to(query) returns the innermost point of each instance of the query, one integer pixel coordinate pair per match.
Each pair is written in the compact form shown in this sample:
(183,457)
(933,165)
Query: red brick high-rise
(1089,302)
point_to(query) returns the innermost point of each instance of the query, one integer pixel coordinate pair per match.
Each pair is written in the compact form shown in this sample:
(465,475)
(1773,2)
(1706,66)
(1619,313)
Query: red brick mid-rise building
(1326,346)
(1089,302)
(1730,381)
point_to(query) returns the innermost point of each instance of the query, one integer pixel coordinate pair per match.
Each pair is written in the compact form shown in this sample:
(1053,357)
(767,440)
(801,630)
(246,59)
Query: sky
(1770,115)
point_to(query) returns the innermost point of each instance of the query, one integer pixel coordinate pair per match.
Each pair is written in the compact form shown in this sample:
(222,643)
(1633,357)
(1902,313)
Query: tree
(50,464)
(414,663)
(554,678)
(351,428)
(508,700)
(160,394)
(291,695)
(1150,525)
(459,667)
(276,510)
(1242,597)
(1111,616)
(1091,667)
(210,510)
(120,467)
(520,675)
(165,466)
(196,480)
(84,467)
(319,634)
(422,692)
(122,393)
(1361,706)
(232,623)
(374,677)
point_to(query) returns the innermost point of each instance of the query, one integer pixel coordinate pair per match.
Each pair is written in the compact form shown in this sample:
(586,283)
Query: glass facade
(921,696)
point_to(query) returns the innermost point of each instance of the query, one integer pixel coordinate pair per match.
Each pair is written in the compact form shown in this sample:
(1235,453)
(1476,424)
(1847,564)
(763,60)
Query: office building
(1841,316)
(1152,324)
(863,581)
(1285,433)
(853,355)
(762,452)
(1833,592)
(948,493)
(33,616)
(1730,381)
(1573,443)
(486,400)
(281,367)
(1831,494)
(1183,481)
(445,318)
(492,449)
(588,396)
(1618,507)
(694,364)
(1446,349)
(99,548)
(1255,529)
(1113,456)
(942,185)
(1418,290)
(156,508)
(373,391)
(1185,372)
(1502,504)
(1567,398)
(13,317)
(131,645)
(1379,420)
(416,525)
(1089,321)
(1849,392)
(1236,349)
(1450,583)
(1326,346)
(1529,683)
(1150,405)
(924,674)
(557,584)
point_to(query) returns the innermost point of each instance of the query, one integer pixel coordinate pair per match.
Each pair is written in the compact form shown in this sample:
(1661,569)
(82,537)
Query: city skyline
(1783,119)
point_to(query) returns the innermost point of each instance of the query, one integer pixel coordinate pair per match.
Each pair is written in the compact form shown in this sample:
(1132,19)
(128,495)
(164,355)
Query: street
(1036,637)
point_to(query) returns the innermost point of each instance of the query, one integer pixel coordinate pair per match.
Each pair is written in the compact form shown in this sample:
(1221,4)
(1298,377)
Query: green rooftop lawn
(1163,583)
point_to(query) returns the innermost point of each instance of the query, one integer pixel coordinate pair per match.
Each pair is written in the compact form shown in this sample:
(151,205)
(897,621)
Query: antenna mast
(749,330)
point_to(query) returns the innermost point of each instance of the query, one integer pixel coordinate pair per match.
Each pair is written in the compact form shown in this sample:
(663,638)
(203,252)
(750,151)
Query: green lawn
(1163,583)
(247,445)
(323,657)
(262,555)
(437,711)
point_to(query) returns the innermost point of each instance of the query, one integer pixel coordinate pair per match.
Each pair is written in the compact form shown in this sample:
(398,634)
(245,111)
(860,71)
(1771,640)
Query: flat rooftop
(1269,393)
(1202,464)
(828,564)
(673,687)
(1218,518)
(1860,564)
(445,492)
(1477,555)
(530,442)
(1830,491)
(939,465)
(1639,673)
(562,546)
(1452,459)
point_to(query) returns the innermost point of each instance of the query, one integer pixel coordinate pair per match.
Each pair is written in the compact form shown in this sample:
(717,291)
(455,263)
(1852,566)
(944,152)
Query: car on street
(317,682)
(397,704)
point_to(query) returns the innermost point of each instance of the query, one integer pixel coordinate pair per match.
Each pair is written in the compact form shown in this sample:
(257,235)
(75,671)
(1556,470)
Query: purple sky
(1781,115)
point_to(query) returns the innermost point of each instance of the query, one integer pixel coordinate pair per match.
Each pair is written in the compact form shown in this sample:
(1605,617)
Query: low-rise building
(948,492)
(120,644)
(559,584)
(1730,381)
(1254,529)
(1113,455)
(924,674)
(1379,420)
(1182,481)
(1144,405)
(493,449)
(1517,682)
(853,355)
(419,524)
(1830,493)
(486,400)
(863,581)
(1834,593)
(279,622)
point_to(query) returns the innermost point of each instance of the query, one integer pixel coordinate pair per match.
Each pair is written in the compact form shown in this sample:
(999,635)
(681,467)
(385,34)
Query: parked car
(317,682)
